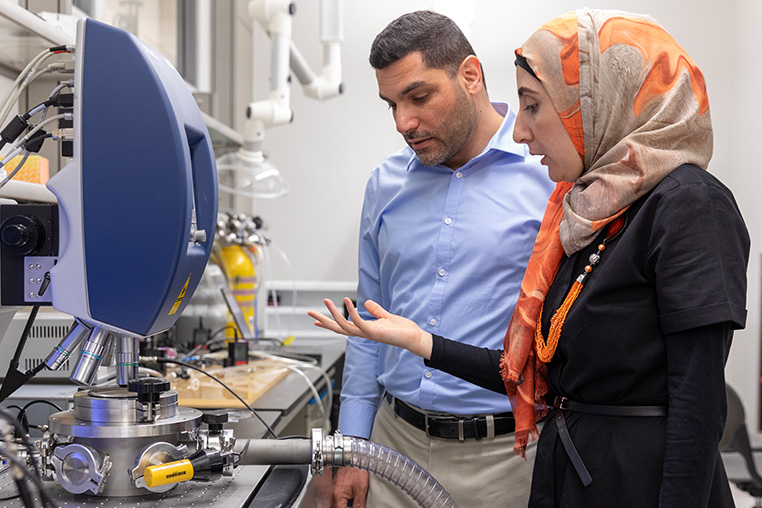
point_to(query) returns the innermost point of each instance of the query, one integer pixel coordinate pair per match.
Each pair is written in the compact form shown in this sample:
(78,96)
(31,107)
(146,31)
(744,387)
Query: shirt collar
(502,140)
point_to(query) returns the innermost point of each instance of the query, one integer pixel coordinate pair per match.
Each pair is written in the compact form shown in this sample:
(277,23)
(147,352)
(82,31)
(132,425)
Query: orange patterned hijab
(636,108)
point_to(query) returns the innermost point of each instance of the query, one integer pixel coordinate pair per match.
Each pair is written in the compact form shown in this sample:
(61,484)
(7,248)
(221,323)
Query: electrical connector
(14,129)
(63,66)
(64,100)
(66,48)
(34,143)
(63,134)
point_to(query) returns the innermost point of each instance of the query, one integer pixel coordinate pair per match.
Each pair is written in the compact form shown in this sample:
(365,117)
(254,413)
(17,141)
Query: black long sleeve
(477,365)
(697,407)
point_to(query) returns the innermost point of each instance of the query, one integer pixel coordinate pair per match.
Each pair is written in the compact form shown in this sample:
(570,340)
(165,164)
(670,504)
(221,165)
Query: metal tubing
(277,452)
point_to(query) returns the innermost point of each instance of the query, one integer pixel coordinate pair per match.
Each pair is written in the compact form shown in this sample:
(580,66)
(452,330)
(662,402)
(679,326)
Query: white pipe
(332,21)
(329,84)
(203,46)
(273,15)
(17,15)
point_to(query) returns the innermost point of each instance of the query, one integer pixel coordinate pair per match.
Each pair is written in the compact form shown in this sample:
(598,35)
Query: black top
(652,325)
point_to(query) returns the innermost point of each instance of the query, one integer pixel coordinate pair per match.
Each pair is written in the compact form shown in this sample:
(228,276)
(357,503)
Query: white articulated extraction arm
(255,176)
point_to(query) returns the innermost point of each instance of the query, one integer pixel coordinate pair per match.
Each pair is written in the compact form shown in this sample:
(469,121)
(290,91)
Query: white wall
(327,153)
(739,95)
(329,150)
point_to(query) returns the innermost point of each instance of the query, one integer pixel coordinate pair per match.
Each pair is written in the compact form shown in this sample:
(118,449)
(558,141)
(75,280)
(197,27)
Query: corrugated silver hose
(345,451)
(400,471)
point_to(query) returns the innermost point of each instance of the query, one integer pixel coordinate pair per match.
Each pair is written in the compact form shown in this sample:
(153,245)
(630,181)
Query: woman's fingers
(323,321)
(383,329)
(340,320)
(367,328)
(376,310)
(356,319)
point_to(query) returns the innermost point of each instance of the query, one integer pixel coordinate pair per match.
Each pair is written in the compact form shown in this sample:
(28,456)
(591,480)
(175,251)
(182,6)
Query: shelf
(299,310)
(340,286)
(223,137)
(25,191)
(24,34)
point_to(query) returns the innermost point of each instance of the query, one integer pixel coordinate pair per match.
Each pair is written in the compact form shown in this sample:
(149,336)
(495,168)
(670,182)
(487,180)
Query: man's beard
(453,135)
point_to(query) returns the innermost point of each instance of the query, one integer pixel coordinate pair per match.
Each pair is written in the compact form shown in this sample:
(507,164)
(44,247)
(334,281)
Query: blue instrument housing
(142,182)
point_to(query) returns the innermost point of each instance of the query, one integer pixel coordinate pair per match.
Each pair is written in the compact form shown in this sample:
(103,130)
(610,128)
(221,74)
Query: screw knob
(215,420)
(149,389)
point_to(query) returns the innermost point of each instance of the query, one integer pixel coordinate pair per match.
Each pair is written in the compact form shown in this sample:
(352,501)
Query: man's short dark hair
(440,41)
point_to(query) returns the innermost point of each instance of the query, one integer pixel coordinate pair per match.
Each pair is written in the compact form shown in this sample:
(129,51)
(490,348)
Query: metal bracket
(35,268)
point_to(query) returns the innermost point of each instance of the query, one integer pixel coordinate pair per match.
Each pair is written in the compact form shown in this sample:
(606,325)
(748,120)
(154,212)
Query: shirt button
(448,221)
(428,374)
(441,271)
(432,321)
(458,175)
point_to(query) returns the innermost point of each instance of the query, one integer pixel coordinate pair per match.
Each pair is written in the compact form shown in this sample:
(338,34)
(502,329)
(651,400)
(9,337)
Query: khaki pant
(481,473)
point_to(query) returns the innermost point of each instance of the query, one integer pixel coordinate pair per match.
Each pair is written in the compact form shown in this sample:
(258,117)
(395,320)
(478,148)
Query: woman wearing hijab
(636,282)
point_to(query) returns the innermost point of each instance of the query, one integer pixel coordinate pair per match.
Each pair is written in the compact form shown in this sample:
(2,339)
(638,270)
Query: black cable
(21,417)
(213,339)
(35,370)
(25,335)
(25,493)
(189,366)
(14,378)
(41,401)
(34,110)
(20,434)
(235,329)
(47,500)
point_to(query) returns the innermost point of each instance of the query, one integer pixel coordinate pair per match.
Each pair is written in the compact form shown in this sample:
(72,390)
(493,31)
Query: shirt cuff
(356,419)
(679,321)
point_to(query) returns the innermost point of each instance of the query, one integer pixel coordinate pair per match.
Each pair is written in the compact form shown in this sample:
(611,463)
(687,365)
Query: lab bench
(284,407)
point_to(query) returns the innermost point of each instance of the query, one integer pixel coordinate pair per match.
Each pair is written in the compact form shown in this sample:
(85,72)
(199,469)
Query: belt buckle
(461,430)
(560,402)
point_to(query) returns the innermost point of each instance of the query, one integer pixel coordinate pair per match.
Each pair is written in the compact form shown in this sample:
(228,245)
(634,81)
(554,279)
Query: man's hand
(350,483)
(387,328)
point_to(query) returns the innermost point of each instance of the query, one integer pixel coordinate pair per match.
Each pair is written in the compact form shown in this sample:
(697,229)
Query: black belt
(563,404)
(454,427)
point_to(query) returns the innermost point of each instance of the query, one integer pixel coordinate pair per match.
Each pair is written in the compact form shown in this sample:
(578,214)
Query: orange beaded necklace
(546,350)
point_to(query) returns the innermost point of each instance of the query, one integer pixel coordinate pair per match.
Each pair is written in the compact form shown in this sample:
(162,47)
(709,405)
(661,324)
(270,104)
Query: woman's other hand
(387,328)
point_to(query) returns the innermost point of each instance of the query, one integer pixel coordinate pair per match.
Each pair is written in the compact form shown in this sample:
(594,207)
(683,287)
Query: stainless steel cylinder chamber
(106,441)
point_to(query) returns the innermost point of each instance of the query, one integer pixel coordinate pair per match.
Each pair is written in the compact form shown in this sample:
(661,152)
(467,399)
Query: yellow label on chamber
(180,297)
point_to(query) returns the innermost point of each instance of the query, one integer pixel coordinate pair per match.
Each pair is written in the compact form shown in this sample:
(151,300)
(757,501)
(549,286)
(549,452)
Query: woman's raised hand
(387,328)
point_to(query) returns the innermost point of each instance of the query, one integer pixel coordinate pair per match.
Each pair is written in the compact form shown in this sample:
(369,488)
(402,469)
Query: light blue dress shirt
(448,250)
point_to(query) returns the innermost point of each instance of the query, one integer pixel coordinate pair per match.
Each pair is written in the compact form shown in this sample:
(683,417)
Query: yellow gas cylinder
(242,277)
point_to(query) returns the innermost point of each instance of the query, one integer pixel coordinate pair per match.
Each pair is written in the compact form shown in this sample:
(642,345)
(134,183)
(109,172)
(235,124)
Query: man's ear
(471,73)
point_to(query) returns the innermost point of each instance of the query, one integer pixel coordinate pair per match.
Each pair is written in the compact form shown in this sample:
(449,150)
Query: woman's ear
(471,73)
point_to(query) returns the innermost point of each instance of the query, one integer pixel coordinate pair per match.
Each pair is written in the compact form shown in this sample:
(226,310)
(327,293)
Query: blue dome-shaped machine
(138,202)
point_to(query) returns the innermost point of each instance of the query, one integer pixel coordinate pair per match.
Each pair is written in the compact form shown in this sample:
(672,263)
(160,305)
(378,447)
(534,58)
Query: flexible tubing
(400,471)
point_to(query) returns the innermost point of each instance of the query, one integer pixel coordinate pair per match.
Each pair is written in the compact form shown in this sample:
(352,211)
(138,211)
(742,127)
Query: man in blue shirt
(447,227)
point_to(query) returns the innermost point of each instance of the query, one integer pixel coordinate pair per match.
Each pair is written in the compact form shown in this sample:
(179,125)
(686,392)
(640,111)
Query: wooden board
(249,381)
